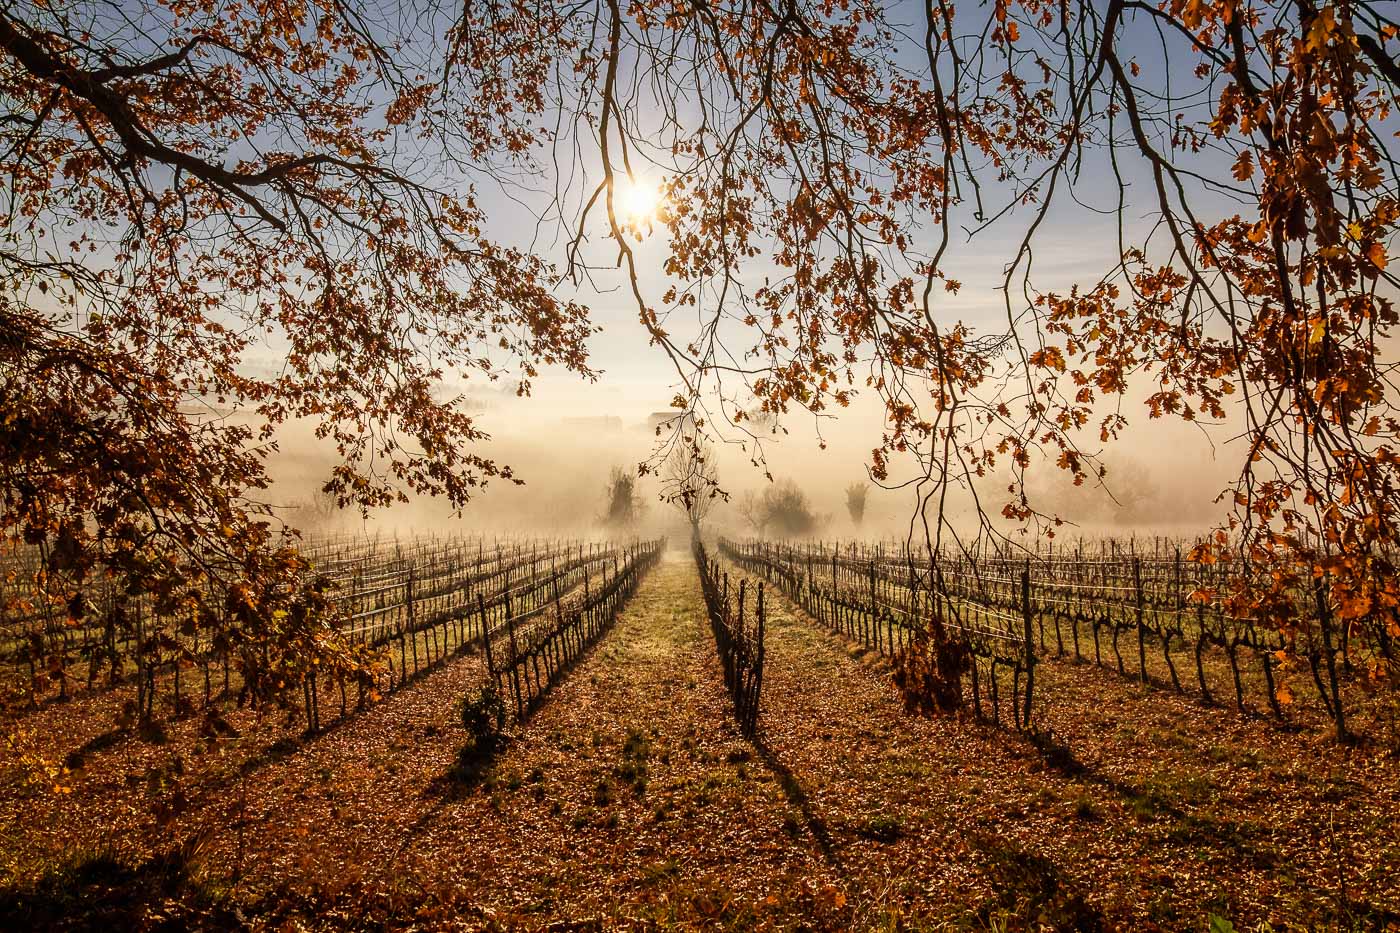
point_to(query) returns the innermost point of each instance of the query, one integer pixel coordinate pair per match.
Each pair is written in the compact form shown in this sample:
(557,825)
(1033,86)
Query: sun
(639,200)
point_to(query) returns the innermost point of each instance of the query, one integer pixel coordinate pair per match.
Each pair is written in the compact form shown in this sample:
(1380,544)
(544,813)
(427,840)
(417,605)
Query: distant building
(595,422)
(668,420)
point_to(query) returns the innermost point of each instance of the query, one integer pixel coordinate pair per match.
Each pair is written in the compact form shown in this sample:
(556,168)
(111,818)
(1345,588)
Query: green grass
(882,827)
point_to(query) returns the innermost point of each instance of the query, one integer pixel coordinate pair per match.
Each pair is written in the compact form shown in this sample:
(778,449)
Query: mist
(1162,477)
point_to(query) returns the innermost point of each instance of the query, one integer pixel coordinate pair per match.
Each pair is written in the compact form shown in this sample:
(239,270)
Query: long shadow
(792,788)
(471,769)
(100,892)
(109,739)
(289,745)
(1152,802)
(278,750)
(15,710)
(1060,758)
(470,772)
(1030,886)
(797,796)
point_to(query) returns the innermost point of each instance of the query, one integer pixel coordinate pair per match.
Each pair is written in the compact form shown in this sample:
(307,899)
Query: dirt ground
(630,800)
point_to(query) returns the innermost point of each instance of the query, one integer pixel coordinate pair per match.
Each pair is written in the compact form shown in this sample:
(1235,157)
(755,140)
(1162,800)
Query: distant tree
(690,482)
(317,513)
(855,501)
(760,419)
(751,511)
(622,505)
(1129,494)
(782,510)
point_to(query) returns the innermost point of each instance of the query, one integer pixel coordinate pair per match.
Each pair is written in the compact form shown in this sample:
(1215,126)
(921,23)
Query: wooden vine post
(1141,624)
(874,610)
(758,667)
(1029,644)
(1324,619)
(514,661)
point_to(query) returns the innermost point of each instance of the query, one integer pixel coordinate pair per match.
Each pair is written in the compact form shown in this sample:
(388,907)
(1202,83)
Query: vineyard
(409,607)
(411,514)
(998,607)
(741,734)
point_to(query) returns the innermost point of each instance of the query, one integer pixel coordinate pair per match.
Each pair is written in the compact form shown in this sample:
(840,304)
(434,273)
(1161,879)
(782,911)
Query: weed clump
(883,828)
(484,719)
(636,751)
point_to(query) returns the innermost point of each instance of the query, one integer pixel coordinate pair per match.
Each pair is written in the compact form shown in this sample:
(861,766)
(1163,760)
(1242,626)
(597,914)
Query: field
(807,465)
(625,792)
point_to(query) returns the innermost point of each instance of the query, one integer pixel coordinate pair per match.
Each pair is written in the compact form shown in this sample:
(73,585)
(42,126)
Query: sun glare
(639,200)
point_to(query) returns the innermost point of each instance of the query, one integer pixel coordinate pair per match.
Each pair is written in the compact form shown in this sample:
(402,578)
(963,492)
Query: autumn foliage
(192,184)
(191,188)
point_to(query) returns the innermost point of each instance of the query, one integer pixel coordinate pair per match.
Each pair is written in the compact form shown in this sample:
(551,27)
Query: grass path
(631,793)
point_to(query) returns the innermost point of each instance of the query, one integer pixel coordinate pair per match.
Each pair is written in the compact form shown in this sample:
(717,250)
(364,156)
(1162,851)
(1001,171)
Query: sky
(1076,244)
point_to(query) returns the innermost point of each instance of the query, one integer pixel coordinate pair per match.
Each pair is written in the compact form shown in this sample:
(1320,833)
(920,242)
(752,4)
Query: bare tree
(318,512)
(751,510)
(690,482)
